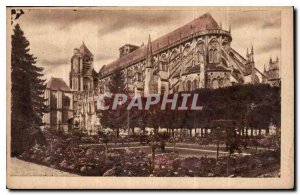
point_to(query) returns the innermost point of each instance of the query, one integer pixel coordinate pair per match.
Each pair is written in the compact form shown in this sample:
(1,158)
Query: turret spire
(149,80)
(149,47)
(149,53)
(252,54)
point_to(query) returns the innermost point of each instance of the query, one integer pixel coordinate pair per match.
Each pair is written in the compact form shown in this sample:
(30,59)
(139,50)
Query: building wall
(218,79)
(85,117)
(199,51)
(60,105)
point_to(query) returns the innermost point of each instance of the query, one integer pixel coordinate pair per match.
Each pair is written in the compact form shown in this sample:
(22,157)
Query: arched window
(221,82)
(76,65)
(195,84)
(174,54)
(186,50)
(211,55)
(188,86)
(215,84)
(139,76)
(216,56)
(213,51)
(226,45)
(164,66)
(200,57)
(200,47)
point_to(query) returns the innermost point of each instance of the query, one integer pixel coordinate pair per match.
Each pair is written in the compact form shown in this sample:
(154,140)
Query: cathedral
(196,55)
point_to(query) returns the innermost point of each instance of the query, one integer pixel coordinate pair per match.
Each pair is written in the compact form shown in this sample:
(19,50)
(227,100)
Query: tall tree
(26,95)
(115,119)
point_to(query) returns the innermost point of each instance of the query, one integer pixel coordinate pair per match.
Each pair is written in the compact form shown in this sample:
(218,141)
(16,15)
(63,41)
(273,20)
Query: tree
(218,136)
(26,95)
(115,119)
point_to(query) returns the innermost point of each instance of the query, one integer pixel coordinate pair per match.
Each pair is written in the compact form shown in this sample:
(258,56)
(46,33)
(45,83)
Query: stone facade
(60,104)
(84,84)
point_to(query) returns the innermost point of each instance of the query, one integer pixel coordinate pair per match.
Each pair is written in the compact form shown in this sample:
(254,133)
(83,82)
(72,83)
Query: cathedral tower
(250,66)
(273,69)
(81,69)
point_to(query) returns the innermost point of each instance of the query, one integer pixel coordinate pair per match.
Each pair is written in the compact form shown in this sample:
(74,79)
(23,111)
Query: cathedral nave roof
(203,22)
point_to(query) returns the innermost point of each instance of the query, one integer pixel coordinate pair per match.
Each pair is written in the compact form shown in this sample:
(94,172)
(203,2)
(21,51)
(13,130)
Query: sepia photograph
(150,98)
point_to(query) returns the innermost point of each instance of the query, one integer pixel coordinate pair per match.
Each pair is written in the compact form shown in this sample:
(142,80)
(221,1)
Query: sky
(54,33)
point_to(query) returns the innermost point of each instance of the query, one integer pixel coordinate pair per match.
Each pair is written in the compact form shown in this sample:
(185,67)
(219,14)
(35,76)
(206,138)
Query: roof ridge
(57,83)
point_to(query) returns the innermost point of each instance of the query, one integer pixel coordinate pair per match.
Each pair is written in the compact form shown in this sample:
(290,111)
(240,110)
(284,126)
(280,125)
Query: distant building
(60,104)
(272,76)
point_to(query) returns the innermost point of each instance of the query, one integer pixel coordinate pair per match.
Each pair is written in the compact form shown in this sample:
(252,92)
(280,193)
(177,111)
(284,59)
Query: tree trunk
(228,164)
(190,132)
(251,132)
(172,132)
(218,145)
(118,132)
(267,131)
(174,143)
(153,155)
(259,132)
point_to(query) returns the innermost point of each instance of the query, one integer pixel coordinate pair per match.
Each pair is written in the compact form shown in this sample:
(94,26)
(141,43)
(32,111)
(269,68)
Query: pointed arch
(200,47)
(174,53)
(221,82)
(213,51)
(188,85)
(186,50)
(200,52)
(215,83)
